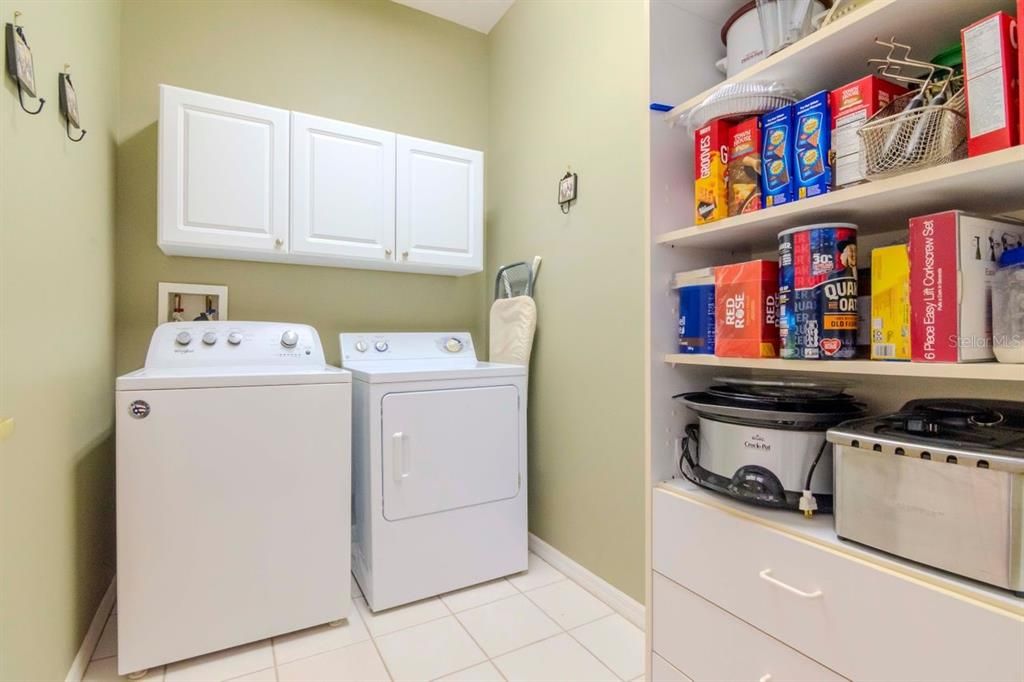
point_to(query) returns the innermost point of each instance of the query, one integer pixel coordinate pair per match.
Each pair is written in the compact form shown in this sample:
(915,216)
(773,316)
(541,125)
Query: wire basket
(896,140)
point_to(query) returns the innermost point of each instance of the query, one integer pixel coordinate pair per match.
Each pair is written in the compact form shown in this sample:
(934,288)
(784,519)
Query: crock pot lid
(790,389)
(810,415)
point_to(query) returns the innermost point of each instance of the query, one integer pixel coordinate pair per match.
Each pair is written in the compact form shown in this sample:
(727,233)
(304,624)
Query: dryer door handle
(398,459)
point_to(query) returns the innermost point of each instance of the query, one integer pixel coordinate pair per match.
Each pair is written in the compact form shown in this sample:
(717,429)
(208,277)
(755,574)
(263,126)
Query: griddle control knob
(453,345)
(289,339)
(210,338)
(183,338)
(381,346)
(361,346)
(234,338)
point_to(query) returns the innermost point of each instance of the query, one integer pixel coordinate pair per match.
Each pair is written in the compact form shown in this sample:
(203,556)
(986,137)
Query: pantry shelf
(992,184)
(992,371)
(836,54)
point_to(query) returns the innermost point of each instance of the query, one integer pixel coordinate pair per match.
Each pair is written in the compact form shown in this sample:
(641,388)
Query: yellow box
(890,303)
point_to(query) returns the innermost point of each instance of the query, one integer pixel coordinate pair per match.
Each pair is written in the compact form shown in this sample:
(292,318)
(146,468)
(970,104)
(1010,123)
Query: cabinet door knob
(387,252)
(278,243)
(405,254)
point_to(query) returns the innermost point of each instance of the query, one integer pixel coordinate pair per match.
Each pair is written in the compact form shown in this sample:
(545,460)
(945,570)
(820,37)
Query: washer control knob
(289,339)
(453,345)
(235,338)
(361,346)
(183,338)
(210,338)
(381,346)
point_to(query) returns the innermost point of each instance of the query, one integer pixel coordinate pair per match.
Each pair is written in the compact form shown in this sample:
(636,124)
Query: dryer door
(448,449)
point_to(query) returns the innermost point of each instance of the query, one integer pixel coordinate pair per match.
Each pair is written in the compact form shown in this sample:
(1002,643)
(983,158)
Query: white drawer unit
(245,181)
(710,645)
(865,621)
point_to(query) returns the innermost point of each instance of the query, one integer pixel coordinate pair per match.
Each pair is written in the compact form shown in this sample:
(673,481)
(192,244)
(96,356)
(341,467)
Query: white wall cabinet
(223,177)
(343,190)
(440,204)
(245,181)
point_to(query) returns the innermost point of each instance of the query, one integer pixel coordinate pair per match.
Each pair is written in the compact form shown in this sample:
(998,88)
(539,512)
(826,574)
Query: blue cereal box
(696,311)
(777,157)
(812,144)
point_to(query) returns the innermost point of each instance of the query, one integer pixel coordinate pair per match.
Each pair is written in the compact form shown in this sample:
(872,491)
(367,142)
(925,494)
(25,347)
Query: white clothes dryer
(439,465)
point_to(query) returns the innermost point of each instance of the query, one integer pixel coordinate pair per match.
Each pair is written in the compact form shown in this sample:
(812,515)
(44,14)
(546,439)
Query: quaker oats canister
(818,291)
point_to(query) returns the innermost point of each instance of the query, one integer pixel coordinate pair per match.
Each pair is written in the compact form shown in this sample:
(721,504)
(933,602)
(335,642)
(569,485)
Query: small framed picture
(19,59)
(567,189)
(69,100)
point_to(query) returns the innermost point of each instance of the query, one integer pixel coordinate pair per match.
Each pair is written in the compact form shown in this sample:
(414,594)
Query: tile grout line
(273,656)
(594,653)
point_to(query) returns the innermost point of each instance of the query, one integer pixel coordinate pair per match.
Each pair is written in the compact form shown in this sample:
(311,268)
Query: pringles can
(818,291)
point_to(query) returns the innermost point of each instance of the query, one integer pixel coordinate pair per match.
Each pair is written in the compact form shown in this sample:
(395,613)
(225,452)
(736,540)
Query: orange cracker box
(745,166)
(710,156)
(746,310)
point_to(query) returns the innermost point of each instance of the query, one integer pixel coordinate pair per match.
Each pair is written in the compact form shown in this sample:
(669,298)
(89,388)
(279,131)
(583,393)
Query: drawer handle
(766,574)
(765,678)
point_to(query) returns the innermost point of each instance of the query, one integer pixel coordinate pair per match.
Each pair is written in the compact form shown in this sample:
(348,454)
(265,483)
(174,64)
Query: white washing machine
(233,490)
(439,465)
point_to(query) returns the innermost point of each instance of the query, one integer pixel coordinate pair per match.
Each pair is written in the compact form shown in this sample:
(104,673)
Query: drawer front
(865,622)
(711,645)
(663,671)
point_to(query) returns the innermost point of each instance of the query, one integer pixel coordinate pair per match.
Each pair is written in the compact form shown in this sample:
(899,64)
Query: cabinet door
(343,190)
(223,183)
(440,205)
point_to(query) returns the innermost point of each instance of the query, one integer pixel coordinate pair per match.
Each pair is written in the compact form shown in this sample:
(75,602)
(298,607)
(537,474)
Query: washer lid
(391,371)
(222,377)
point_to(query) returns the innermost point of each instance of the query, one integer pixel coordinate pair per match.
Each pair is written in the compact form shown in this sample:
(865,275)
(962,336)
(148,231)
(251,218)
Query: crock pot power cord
(692,436)
(809,505)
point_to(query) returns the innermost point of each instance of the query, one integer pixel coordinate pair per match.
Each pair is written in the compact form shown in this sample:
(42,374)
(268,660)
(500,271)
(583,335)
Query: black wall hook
(68,103)
(19,64)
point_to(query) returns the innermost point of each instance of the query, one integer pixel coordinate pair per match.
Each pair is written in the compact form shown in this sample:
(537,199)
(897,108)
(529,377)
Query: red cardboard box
(710,156)
(746,310)
(990,70)
(744,167)
(953,257)
(852,105)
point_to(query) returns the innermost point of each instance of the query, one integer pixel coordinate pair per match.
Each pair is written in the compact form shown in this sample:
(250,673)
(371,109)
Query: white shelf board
(992,183)
(820,530)
(837,54)
(990,371)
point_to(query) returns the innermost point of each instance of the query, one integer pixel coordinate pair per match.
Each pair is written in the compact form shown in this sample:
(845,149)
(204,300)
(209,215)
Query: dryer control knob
(289,339)
(210,338)
(453,345)
(183,338)
(361,346)
(381,346)
(234,338)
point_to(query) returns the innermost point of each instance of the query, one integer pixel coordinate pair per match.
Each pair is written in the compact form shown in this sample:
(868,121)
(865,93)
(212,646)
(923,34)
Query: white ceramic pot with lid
(741,35)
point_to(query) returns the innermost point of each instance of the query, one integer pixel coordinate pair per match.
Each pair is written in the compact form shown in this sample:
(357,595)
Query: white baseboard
(626,606)
(92,635)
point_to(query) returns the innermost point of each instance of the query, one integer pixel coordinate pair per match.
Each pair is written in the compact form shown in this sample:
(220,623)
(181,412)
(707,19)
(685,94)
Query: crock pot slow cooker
(763,441)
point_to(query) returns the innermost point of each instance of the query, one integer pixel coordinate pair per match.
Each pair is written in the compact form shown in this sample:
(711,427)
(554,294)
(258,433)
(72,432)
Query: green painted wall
(568,83)
(372,62)
(57,341)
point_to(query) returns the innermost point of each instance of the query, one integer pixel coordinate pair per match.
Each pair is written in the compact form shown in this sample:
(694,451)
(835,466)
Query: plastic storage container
(1008,307)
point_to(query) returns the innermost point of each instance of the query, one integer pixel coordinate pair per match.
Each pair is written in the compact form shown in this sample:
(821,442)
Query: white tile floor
(537,625)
